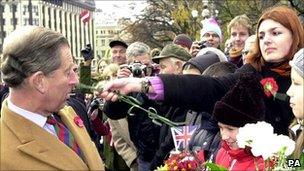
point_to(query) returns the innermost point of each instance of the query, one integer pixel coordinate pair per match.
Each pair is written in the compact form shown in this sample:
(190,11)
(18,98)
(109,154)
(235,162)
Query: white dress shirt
(36,118)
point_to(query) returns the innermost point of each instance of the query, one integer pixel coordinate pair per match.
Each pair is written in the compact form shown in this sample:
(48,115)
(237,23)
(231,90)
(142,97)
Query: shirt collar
(38,119)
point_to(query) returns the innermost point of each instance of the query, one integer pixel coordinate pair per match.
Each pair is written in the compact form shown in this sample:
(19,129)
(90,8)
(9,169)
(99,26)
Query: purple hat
(183,40)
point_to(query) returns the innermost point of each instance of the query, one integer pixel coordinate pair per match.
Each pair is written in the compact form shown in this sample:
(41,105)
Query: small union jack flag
(182,135)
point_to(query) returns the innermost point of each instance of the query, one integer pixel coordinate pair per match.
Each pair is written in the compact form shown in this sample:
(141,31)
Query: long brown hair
(289,19)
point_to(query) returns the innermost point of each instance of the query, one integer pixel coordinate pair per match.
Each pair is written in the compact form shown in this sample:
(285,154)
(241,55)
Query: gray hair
(298,62)
(30,49)
(136,49)
(219,53)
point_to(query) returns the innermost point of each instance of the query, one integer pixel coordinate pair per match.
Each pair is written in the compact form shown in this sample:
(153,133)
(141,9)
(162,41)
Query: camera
(137,68)
(87,52)
(95,104)
(203,44)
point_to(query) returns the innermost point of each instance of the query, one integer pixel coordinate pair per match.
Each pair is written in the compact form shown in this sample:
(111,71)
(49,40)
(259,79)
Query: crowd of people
(52,117)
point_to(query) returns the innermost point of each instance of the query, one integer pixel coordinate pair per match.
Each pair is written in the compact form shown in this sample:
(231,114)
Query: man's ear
(179,65)
(38,81)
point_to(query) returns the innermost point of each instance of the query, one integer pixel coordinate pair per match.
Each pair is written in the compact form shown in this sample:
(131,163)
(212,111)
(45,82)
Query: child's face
(228,134)
(295,92)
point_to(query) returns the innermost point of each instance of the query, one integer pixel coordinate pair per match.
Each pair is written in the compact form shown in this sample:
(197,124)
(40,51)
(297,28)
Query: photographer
(143,133)
(211,36)
(100,123)
(153,142)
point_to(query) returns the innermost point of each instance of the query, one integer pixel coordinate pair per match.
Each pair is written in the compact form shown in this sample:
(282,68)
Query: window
(103,42)
(3,21)
(103,53)
(25,21)
(35,9)
(36,21)
(25,9)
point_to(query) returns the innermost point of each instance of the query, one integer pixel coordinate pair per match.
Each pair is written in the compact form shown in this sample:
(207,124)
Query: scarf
(235,53)
(282,68)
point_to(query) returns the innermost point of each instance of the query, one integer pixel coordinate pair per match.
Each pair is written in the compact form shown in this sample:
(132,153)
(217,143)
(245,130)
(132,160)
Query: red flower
(182,161)
(270,86)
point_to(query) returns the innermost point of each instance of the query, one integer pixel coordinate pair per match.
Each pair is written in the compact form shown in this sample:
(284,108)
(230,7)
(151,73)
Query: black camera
(87,52)
(137,68)
(203,44)
(95,104)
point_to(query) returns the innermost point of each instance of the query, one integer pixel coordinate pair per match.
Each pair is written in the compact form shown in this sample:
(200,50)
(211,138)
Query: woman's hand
(122,85)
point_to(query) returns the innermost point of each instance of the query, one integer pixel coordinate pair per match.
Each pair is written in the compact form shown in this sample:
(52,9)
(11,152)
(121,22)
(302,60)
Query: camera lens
(137,72)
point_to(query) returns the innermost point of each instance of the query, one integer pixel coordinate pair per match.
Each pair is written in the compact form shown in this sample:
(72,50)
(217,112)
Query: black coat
(200,93)
(143,132)
(153,142)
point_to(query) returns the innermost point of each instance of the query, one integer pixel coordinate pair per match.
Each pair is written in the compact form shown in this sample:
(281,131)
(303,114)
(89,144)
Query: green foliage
(163,19)
(214,167)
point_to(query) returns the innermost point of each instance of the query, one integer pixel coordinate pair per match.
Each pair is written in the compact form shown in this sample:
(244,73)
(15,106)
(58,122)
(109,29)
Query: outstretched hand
(122,85)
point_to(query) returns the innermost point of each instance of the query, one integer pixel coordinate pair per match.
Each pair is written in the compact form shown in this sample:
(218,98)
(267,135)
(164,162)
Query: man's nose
(74,79)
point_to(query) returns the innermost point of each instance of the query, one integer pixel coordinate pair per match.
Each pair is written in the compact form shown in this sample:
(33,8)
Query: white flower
(286,142)
(263,141)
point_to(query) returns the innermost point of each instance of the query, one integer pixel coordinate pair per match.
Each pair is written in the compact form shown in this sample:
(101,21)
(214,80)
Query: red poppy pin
(271,88)
(78,121)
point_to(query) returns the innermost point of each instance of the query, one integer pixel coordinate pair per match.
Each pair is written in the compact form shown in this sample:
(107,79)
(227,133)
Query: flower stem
(152,113)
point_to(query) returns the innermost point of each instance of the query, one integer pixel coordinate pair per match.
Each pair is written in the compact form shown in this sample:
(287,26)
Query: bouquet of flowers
(185,160)
(263,142)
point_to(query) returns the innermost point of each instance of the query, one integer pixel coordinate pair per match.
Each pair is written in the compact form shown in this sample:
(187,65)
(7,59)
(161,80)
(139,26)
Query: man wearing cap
(143,132)
(172,59)
(118,51)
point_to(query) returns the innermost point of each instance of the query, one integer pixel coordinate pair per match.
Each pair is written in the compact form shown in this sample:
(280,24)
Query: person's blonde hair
(242,20)
(110,71)
(299,147)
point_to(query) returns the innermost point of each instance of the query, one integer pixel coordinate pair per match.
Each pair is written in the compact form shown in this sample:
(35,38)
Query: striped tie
(64,135)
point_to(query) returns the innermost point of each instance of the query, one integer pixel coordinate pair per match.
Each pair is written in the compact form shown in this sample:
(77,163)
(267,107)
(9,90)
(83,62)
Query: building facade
(106,30)
(59,15)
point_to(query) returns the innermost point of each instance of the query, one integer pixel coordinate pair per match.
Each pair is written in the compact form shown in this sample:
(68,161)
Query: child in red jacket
(241,105)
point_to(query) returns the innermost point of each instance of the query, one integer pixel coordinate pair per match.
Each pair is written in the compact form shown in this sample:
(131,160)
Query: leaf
(215,167)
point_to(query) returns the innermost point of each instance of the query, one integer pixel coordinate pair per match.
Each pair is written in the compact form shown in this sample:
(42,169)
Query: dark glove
(87,52)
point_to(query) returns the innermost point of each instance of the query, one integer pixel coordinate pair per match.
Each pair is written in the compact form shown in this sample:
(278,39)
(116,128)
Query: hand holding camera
(136,68)
(87,52)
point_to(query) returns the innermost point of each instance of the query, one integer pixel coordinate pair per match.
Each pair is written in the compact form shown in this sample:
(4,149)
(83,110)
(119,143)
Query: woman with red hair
(279,36)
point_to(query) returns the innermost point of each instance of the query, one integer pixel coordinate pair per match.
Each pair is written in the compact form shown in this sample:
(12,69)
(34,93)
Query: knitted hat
(242,104)
(183,40)
(298,62)
(172,50)
(211,25)
(201,62)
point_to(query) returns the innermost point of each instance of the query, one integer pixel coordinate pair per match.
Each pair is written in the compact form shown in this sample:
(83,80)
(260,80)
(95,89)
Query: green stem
(152,113)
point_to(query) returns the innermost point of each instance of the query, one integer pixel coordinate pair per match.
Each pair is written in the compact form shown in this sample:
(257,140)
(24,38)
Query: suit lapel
(40,144)
(82,138)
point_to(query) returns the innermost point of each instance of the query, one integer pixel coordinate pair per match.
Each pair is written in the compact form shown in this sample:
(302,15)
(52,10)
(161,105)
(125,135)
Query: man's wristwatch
(145,85)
